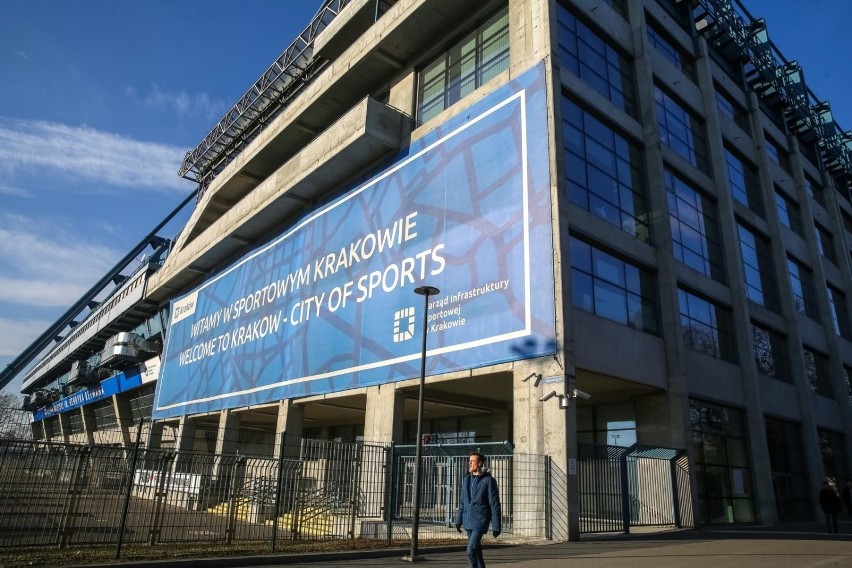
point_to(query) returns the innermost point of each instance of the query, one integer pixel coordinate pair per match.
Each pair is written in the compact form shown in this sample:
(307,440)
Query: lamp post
(424,291)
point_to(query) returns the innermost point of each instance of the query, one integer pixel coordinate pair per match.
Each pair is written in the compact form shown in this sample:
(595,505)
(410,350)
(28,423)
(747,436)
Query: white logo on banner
(408,332)
(184,307)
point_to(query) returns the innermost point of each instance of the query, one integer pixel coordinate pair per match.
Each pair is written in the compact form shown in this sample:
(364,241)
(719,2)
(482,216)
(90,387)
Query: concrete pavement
(799,546)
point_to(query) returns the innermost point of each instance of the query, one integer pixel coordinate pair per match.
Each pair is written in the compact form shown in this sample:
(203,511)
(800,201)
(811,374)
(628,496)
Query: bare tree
(14,421)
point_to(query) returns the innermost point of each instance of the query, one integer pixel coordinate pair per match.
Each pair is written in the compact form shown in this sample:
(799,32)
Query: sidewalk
(789,546)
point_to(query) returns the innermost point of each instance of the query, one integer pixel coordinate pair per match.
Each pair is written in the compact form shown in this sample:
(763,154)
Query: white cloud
(23,55)
(15,191)
(44,263)
(84,153)
(182,103)
(17,335)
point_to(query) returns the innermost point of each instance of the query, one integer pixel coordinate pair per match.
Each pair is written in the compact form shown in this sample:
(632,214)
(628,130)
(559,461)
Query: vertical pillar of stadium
(226,438)
(88,423)
(64,426)
(184,443)
(383,414)
(383,420)
(539,430)
(45,428)
(123,419)
(291,418)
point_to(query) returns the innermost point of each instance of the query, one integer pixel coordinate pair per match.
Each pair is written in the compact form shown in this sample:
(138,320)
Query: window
(742,178)
(817,371)
(789,473)
(603,172)
(695,229)
(612,288)
(721,463)
(609,424)
(847,378)
(731,110)
(706,327)
(757,268)
(667,48)
(680,130)
(833,450)
(802,284)
(788,213)
(815,191)
(464,67)
(771,354)
(591,58)
(775,153)
(104,414)
(839,312)
(825,243)
(141,402)
(75,421)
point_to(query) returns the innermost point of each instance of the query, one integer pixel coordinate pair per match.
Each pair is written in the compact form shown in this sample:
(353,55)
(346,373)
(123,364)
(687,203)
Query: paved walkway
(801,546)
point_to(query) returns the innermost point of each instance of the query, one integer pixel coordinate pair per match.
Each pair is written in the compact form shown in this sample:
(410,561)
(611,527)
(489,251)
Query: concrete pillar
(88,423)
(154,438)
(383,416)
(64,426)
(229,432)
(124,420)
(403,93)
(291,418)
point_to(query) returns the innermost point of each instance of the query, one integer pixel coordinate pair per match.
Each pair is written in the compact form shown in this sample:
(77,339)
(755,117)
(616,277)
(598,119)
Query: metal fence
(66,494)
(629,487)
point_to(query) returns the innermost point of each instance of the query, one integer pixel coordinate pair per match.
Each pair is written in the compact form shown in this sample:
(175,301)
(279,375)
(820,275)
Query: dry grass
(48,557)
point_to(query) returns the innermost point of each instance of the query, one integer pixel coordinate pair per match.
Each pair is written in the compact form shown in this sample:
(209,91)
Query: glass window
(758,270)
(731,110)
(804,297)
(591,58)
(612,288)
(775,153)
(825,243)
(839,312)
(789,475)
(706,327)
(104,414)
(742,178)
(725,486)
(815,190)
(833,449)
(612,424)
(680,130)
(603,175)
(477,58)
(788,213)
(771,354)
(667,48)
(695,229)
(75,421)
(141,402)
(818,373)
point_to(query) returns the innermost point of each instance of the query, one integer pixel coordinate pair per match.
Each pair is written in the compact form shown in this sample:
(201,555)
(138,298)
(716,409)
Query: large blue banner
(330,304)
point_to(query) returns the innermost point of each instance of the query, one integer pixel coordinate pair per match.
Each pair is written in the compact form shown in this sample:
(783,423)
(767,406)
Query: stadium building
(637,208)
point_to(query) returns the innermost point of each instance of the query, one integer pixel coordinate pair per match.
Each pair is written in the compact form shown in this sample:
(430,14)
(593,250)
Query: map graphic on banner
(330,305)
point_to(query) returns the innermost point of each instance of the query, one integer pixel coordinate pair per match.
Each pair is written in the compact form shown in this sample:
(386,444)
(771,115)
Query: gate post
(390,476)
(675,496)
(129,489)
(232,500)
(548,497)
(278,482)
(625,493)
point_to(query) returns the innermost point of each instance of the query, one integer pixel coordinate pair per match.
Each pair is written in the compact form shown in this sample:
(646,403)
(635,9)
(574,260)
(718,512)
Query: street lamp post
(424,291)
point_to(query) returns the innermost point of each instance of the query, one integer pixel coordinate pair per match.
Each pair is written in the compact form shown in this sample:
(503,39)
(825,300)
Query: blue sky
(100,100)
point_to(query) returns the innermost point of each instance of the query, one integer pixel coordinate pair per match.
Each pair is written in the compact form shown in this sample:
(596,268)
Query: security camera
(548,396)
(537,376)
(581,394)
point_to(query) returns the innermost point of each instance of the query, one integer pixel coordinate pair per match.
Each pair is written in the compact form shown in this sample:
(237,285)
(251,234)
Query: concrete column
(154,439)
(124,420)
(229,432)
(64,426)
(291,418)
(383,416)
(403,93)
(88,423)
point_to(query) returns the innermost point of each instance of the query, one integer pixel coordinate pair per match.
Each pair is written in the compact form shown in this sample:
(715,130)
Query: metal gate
(444,467)
(636,486)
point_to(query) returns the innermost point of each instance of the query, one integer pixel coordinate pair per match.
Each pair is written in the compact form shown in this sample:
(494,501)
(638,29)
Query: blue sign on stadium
(330,304)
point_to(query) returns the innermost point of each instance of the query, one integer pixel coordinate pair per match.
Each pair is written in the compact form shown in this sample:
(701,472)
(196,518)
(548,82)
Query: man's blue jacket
(478,507)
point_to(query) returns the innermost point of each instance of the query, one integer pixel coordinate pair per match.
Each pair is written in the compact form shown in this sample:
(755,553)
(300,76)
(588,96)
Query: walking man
(479,506)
